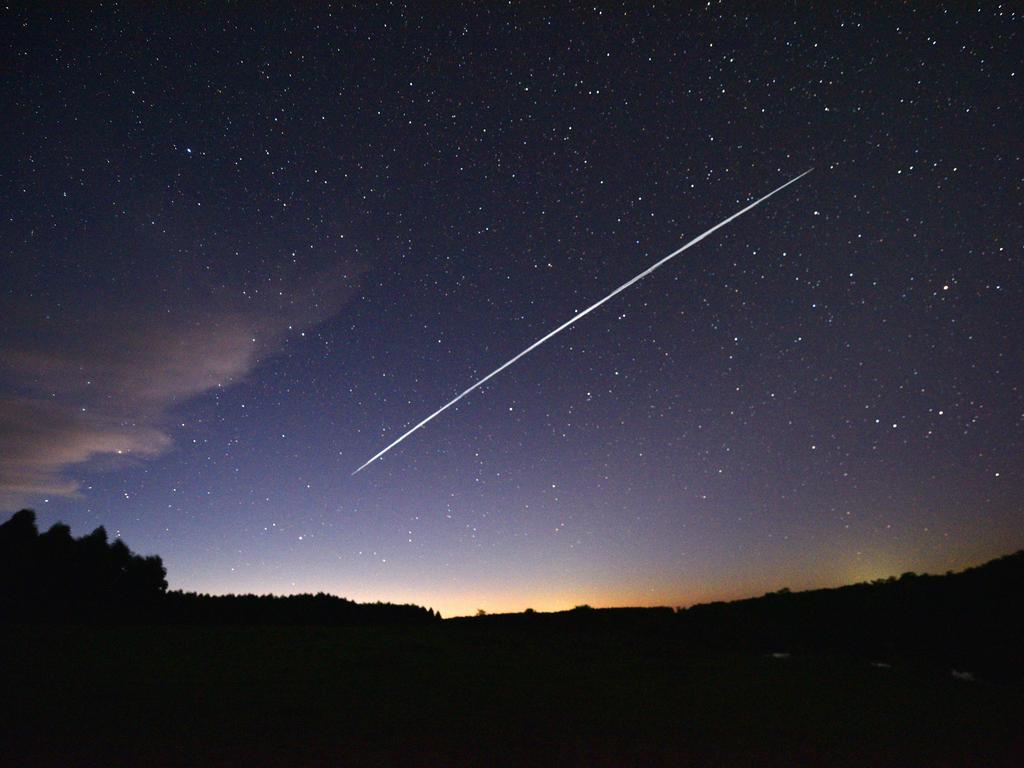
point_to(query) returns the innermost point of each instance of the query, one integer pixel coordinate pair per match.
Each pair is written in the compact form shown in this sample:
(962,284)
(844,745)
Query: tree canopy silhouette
(53,577)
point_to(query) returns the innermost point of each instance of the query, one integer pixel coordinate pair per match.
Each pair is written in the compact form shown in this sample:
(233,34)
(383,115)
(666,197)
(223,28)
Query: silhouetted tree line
(320,609)
(53,577)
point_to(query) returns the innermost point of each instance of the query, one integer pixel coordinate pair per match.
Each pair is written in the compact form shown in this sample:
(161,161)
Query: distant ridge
(969,621)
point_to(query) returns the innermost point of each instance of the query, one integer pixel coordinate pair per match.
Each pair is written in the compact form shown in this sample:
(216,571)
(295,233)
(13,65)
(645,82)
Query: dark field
(474,692)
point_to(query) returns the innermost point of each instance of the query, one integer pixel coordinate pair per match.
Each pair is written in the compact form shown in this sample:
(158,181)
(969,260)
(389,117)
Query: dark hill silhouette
(968,621)
(55,578)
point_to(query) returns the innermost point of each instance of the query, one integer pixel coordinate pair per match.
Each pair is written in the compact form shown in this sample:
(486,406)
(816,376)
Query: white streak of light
(580,316)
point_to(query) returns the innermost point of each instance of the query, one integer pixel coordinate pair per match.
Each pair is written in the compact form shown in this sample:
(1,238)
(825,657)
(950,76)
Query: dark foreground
(475,693)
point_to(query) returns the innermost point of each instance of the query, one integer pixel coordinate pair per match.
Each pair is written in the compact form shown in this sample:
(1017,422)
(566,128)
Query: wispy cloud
(95,383)
(40,438)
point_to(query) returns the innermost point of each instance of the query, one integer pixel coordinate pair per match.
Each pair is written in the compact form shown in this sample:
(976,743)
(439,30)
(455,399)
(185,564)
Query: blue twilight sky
(242,252)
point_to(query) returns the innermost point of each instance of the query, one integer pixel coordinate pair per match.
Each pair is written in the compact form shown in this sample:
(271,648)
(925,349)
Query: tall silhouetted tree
(54,577)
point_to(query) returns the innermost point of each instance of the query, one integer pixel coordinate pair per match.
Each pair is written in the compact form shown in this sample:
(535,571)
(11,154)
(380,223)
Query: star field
(244,251)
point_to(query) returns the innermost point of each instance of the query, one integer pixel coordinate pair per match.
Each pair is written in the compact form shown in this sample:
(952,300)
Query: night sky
(242,251)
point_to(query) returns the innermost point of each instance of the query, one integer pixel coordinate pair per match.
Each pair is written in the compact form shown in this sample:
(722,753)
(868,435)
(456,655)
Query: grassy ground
(454,694)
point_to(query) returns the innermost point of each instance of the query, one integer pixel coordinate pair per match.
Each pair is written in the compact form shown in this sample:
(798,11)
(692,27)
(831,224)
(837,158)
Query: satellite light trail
(579,316)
